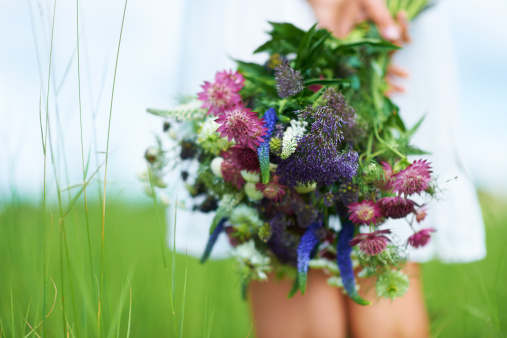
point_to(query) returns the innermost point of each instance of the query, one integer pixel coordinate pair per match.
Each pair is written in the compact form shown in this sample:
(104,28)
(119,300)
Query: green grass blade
(12,312)
(184,297)
(76,196)
(130,309)
(171,281)
(26,315)
(106,162)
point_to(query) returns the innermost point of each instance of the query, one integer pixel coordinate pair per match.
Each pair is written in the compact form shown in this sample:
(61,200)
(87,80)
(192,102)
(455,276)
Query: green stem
(45,171)
(105,169)
(385,143)
(82,146)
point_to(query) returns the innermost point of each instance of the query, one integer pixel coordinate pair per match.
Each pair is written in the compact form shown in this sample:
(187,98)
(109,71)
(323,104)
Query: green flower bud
(401,165)
(250,176)
(372,173)
(253,193)
(264,232)
(305,188)
(216,166)
(392,284)
(275,145)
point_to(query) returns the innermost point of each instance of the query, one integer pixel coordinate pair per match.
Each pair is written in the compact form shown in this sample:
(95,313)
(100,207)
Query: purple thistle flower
(308,242)
(348,193)
(317,158)
(343,251)
(289,82)
(213,239)
(306,214)
(326,130)
(279,130)
(328,199)
(263,149)
(336,101)
(313,164)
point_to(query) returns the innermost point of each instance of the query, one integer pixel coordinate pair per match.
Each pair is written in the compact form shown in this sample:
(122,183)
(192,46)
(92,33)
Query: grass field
(467,300)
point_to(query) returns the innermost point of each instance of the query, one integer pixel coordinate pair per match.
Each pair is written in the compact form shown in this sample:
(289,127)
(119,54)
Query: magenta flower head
(272,190)
(364,212)
(243,157)
(221,94)
(371,243)
(414,179)
(420,238)
(396,207)
(235,80)
(232,173)
(242,125)
(388,176)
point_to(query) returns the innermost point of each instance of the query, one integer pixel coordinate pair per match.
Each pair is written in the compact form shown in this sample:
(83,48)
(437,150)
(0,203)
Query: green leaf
(302,279)
(295,288)
(304,45)
(253,69)
(268,85)
(413,150)
(316,49)
(285,39)
(412,130)
(377,43)
(345,82)
(244,289)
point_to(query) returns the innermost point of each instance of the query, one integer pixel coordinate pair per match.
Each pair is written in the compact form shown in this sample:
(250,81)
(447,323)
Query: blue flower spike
(263,149)
(308,242)
(213,239)
(345,262)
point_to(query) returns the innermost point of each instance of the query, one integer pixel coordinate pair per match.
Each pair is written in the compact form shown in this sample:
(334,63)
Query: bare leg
(319,313)
(403,317)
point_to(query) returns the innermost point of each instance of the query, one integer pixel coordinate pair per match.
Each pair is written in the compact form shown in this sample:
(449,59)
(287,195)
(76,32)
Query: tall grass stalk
(184,297)
(45,171)
(130,309)
(105,169)
(26,315)
(12,312)
(82,147)
(170,279)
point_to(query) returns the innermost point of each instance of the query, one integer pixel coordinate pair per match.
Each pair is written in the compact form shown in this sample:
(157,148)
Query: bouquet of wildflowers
(301,159)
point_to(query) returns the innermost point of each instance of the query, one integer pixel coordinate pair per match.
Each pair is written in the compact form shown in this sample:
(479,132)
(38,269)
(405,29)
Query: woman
(323,311)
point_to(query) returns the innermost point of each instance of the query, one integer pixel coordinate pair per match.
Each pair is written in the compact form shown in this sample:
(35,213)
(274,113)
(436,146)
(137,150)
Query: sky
(145,78)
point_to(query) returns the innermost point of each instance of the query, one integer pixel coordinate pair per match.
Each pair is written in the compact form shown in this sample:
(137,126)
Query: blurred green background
(464,300)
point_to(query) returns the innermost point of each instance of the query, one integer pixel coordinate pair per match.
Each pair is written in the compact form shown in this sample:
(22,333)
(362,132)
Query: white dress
(212,31)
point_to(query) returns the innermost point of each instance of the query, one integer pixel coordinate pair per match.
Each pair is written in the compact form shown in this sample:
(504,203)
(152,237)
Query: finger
(378,12)
(346,17)
(397,71)
(393,88)
(361,16)
(404,24)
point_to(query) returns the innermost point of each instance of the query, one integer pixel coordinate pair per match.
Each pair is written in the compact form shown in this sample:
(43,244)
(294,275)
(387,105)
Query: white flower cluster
(184,112)
(245,219)
(252,260)
(292,135)
(209,139)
